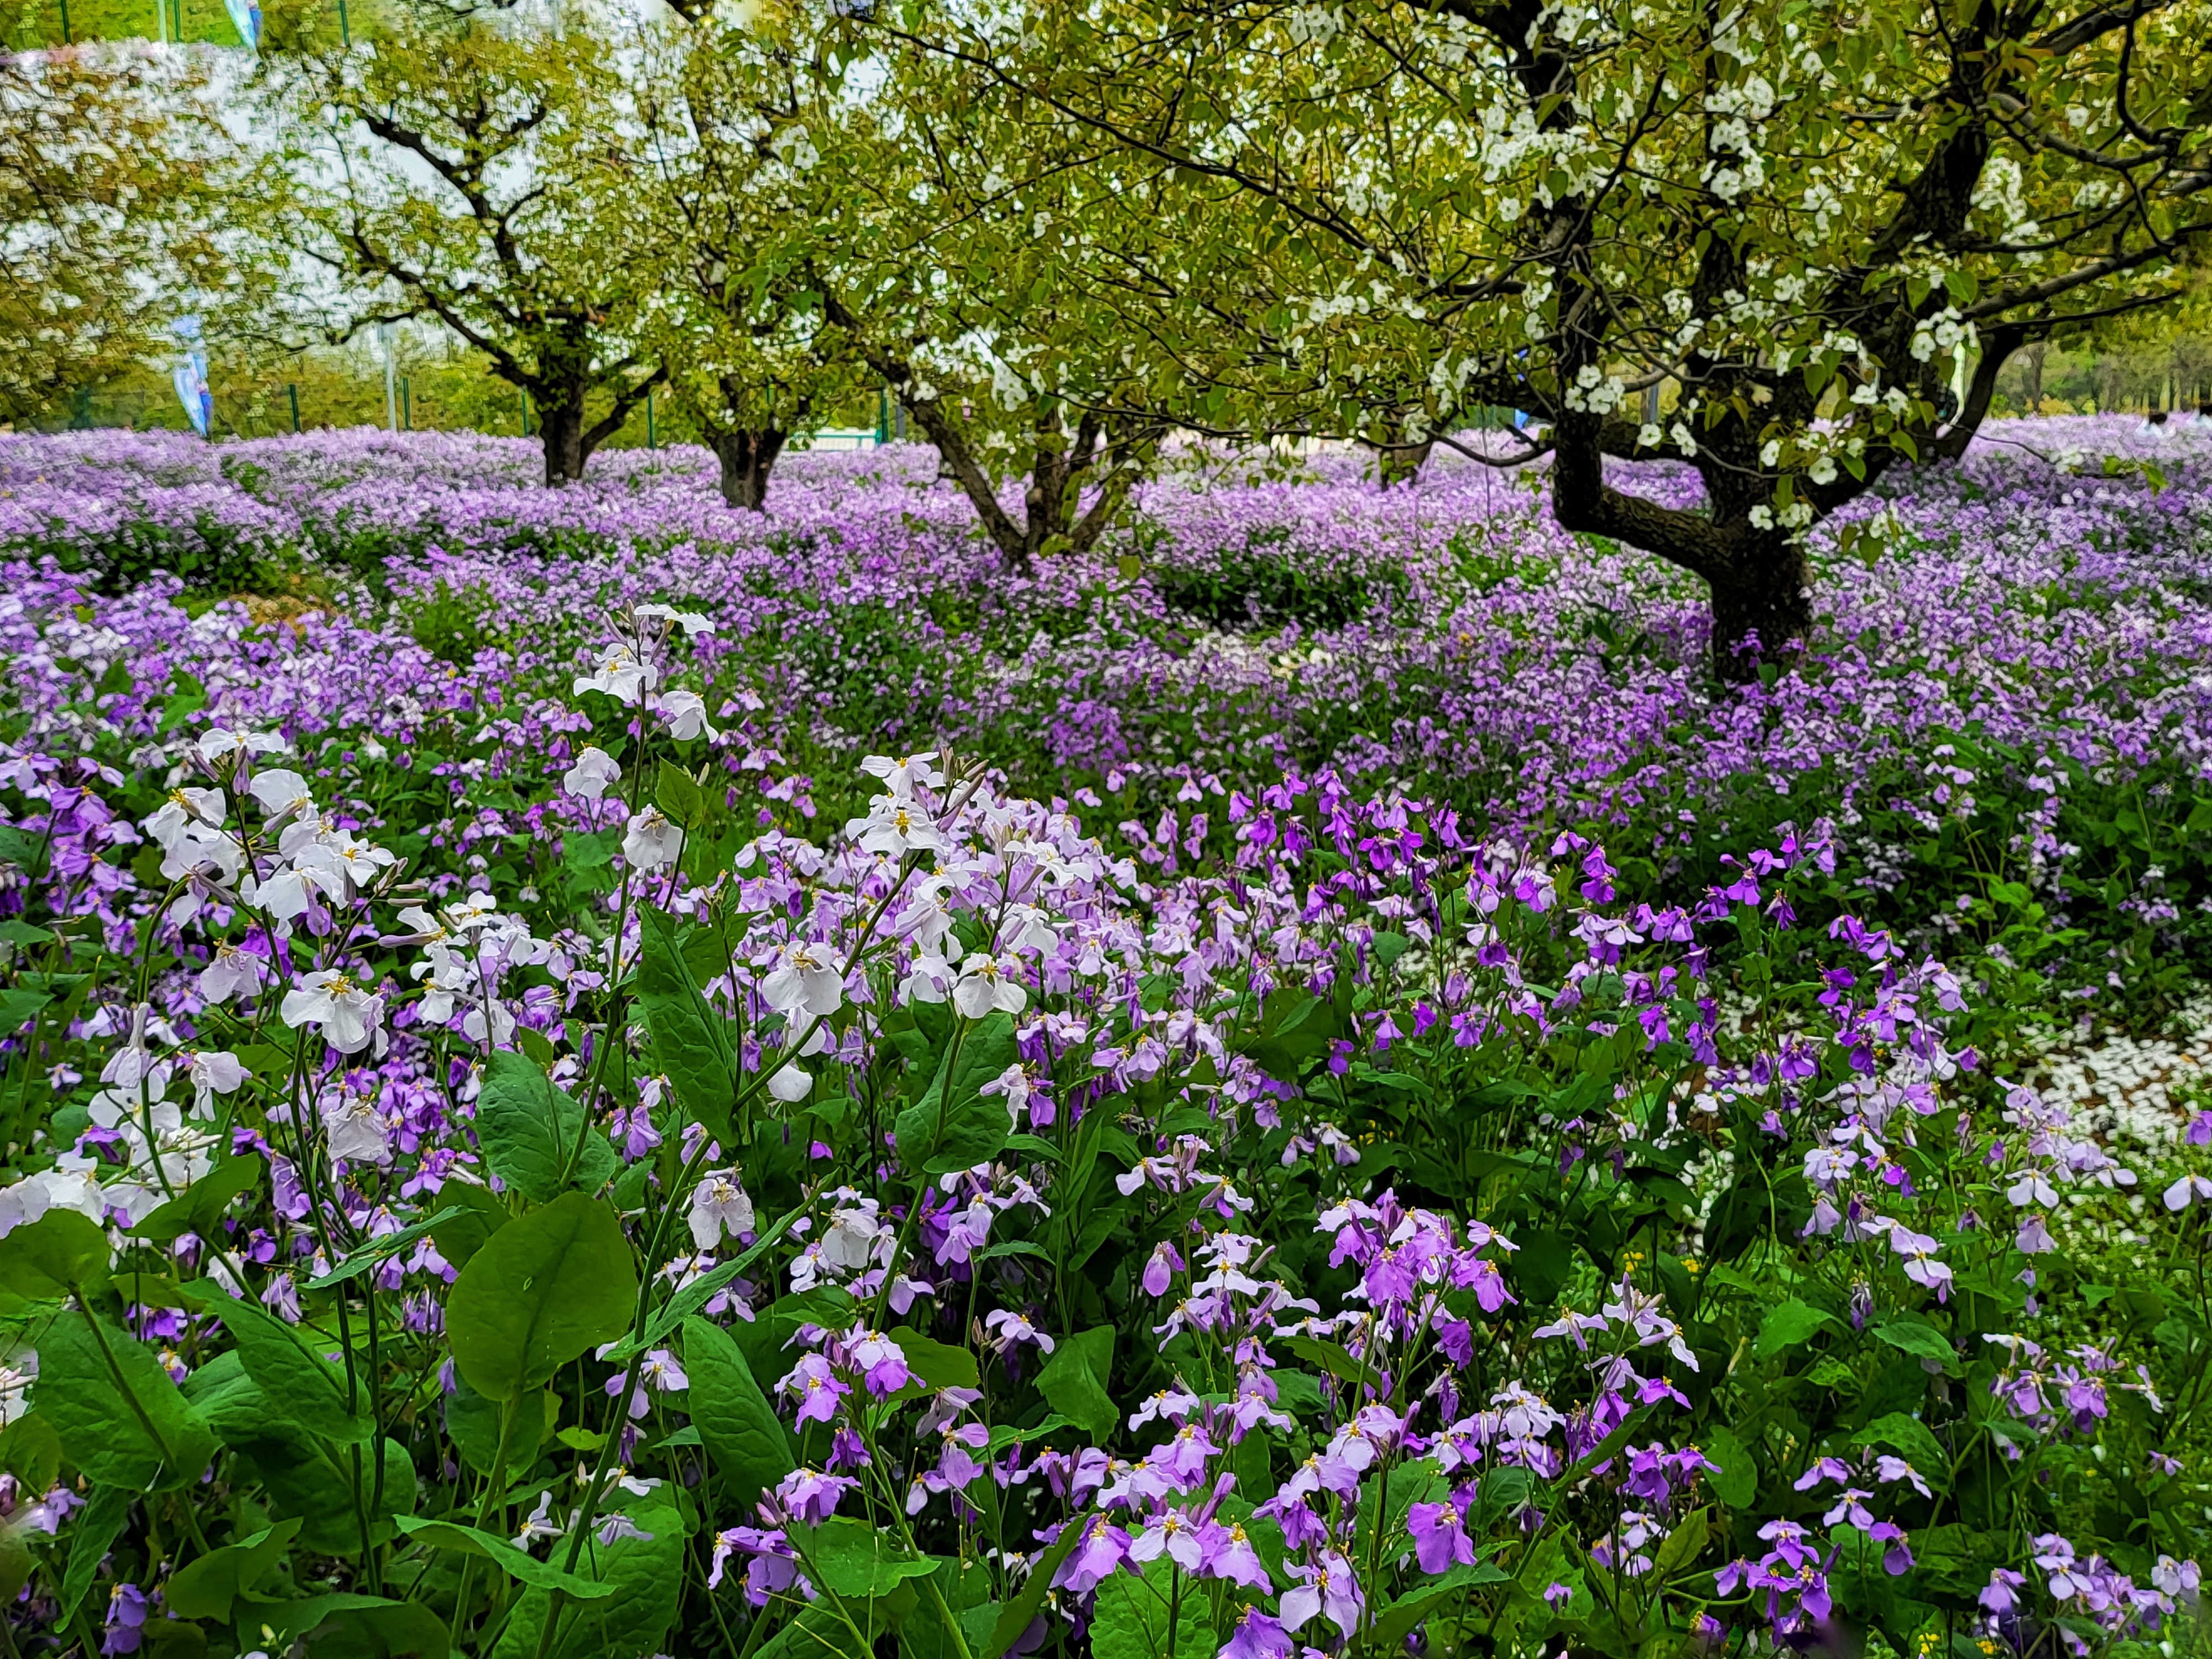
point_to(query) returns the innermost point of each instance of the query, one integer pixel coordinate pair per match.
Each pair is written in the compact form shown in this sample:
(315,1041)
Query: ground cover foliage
(591,1074)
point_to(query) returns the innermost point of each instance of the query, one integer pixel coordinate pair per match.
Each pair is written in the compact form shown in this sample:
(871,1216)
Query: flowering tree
(735,201)
(461,171)
(1790,247)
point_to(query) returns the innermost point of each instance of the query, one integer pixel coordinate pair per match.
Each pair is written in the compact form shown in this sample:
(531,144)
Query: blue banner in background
(245,18)
(191,377)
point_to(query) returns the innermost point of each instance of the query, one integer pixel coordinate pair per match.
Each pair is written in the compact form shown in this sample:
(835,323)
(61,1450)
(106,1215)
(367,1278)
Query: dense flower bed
(544,1117)
(2011,695)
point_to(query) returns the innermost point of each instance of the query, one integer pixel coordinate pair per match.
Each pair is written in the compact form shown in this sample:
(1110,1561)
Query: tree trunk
(2034,356)
(747,457)
(561,431)
(1402,464)
(1762,608)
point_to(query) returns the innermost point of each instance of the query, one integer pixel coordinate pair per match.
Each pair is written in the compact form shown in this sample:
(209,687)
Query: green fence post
(406,405)
(345,33)
(292,392)
(651,440)
(65,28)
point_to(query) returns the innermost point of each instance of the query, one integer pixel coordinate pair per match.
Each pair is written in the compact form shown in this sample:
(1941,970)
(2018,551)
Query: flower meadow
(589,1075)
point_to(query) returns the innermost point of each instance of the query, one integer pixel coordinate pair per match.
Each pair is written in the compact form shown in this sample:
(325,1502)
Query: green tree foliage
(1811,234)
(111,172)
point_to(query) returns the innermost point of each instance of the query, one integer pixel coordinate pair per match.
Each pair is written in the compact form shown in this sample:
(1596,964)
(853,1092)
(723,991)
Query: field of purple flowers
(589,1074)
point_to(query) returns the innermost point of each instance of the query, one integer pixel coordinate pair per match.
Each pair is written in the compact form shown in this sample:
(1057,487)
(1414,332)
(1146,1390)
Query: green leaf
(472,1422)
(1329,1356)
(1005,1434)
(473,1214)
(1910,1436)
(702,1290)
(954,1125)
(529,1129)
(516,1564)
(1018,1616)
(545,1289)
(18,1006)
(1073,1380)
(345,1624)
(91,1534)
(121,1418)
(31,1452)
(1919,1339)
(675,793)
(1399,1617)
(856,1559)
(206,1588)
(689,1041)
(1682,1545)
(53,1258)
(306,1388)
(733,1415)
(1788,1325)
(199,1208)
(937,1365)
(381,1249)
(645,1580)
(1130,1619)
(1735,1478)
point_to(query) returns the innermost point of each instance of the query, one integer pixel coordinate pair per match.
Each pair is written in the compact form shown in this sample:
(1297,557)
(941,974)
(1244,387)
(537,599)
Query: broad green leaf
(818,1630)
(937,1365)
(1910,1436)
(954,1125)
(54,1257)
(1130,1619)
(1399,1617)
(966,1589)
(644,1578)
(91,1534)
(31,1452)
(676,793)
(857,1559)
(199,1208)
(1018,1616)
(306,1388)
(516,1563)
(733,1415)
(18,1006)
(345,1624)
(1734,1479)
(1788,1325)
(691,1044)
(702,1290)
(381,1249)
(529,1129)
(121,1418)
(473,1424)
(543,1290)
(1919,1339)
(206,1586)
(1073,1379)
(1329,1356)
(1681,1546)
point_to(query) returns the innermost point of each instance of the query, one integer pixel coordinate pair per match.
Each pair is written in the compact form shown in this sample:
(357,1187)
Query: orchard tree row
(1790,243)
